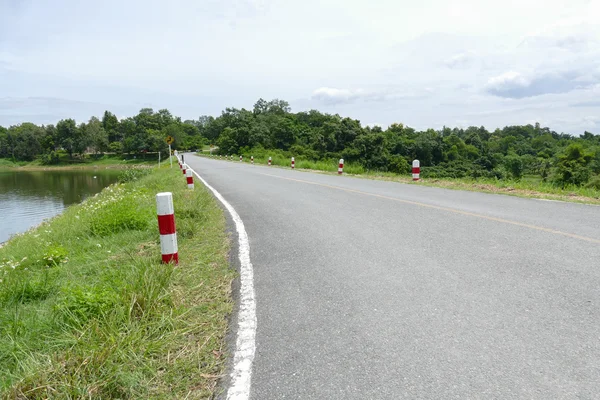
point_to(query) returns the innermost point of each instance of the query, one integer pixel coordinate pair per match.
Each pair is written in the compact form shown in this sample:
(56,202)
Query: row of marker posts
(416,166)
(166,217)
(166,212)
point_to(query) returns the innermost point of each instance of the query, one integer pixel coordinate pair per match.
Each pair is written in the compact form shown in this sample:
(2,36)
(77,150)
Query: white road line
(246,334)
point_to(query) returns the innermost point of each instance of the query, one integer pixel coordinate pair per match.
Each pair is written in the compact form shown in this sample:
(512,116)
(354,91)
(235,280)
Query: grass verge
(531,188)
(90,161)
(88,311)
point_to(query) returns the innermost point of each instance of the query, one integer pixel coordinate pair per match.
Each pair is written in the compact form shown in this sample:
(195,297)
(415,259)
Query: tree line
(508,153)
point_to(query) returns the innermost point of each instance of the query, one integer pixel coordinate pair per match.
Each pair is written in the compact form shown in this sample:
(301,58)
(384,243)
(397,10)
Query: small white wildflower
(99,245)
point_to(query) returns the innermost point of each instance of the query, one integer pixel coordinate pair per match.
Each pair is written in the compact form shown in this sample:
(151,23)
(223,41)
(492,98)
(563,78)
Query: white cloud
(333,95)
(383,60)
(460,60)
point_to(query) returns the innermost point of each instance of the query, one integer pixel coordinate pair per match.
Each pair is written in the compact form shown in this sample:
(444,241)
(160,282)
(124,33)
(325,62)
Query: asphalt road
(379,290)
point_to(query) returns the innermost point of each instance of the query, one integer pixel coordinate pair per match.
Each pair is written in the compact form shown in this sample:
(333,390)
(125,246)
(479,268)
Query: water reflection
(29,197)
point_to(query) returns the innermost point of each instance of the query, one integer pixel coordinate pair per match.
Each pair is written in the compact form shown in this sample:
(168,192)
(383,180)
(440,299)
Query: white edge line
(246,333)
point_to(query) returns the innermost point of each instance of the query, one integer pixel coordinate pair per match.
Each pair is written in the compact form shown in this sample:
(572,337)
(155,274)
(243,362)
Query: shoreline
(93,274)
(75,167)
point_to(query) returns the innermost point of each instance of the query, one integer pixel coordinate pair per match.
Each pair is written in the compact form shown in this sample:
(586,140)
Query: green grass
(88,311)
(89,161)
(528,186)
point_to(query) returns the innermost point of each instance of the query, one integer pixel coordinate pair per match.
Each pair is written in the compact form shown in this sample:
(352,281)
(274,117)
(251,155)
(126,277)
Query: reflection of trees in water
(67,186)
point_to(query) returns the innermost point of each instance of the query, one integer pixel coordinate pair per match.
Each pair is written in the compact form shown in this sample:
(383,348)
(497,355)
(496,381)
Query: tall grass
(88,311)
(529,186)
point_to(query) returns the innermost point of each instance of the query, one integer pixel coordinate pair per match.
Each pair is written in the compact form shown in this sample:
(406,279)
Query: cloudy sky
(425,63)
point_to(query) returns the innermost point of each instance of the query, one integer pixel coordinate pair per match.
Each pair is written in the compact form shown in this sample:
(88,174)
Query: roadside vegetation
(85,161)
(533,153)
(88,311)
(529,186)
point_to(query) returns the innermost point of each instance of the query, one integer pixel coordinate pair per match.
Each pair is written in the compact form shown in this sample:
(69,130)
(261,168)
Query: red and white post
(416,170)
(183,168)
(166,227)
(252,160)
(189,178)
(240,158)
(293,163)
(269,161)
(341,166)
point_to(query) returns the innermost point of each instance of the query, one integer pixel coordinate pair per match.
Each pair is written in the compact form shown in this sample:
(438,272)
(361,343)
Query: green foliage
(132,174)
(51,158)
(594,183)
(119,216)
(108,323)
(77,305)
(572,167)
(514,166)
(55,256)
(311,136)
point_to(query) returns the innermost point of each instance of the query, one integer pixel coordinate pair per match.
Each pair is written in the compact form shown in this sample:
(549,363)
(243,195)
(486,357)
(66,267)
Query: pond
(29,197)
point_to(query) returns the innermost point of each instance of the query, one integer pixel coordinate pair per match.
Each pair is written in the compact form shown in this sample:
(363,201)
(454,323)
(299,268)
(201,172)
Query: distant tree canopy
(511,152)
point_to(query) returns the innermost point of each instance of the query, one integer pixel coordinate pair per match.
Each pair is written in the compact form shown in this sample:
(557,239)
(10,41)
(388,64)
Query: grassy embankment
(88,311)
(529,186)
(89,161)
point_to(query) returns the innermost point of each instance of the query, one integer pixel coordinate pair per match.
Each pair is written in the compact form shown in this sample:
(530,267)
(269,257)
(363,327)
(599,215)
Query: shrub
(594,183)
(133,174)
(80,304)
(54,256)
(50,158)
(121,214)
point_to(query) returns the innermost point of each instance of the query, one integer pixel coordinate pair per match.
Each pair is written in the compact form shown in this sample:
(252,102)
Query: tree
(572,166)
(96,136)
(68,135)
(27,145)
(110,124)
(514,166)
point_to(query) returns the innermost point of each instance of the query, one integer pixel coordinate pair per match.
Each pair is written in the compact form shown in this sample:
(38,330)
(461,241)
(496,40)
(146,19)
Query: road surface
(379,290)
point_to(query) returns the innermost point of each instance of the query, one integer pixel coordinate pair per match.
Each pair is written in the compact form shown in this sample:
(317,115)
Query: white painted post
(269,161)
(341,166)
(189,178)
(166,227)
(416,170)
(293,163)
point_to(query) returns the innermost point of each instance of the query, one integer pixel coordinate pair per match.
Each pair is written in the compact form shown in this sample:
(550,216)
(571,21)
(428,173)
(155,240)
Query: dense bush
(271,129)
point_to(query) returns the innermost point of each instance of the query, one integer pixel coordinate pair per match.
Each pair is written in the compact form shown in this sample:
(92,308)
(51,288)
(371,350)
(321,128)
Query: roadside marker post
(183,168)
(269,161)
(190,179)
(341,166)
(416,170)
(240,158)
(252,160)
(166,227)
(293,163)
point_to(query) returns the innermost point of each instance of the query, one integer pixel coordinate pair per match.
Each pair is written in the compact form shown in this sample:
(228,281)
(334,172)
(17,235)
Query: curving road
(379,290)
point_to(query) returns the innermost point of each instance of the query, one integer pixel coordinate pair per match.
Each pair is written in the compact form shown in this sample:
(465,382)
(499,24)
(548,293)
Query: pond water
(29,197)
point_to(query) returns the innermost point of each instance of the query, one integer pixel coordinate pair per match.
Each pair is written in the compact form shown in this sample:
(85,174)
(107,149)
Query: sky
(425,63)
